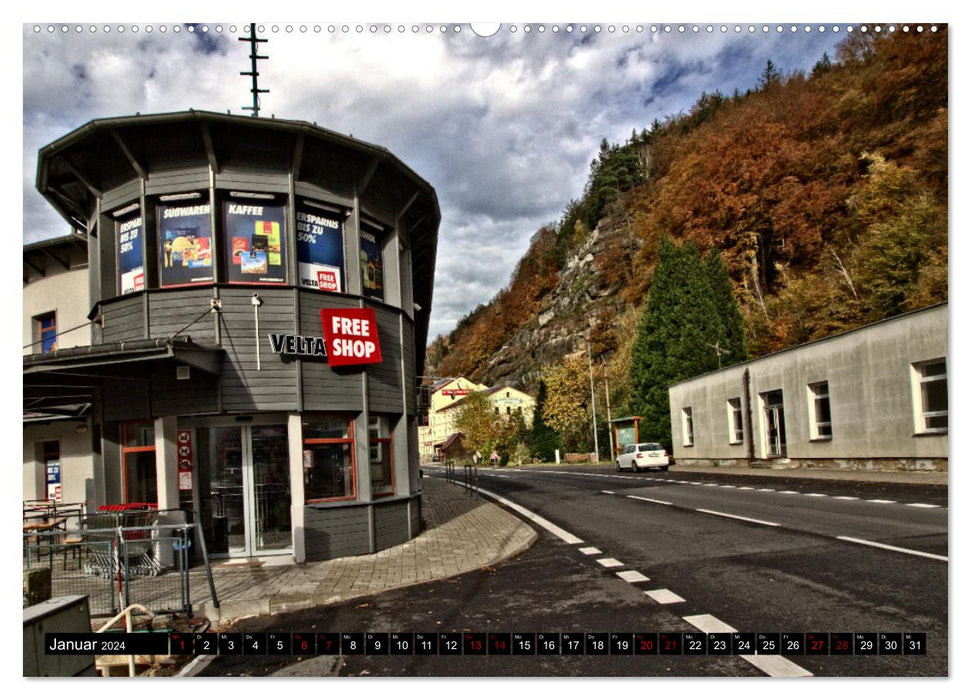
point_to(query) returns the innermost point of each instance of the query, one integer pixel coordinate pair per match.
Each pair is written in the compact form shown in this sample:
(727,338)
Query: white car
(644,455)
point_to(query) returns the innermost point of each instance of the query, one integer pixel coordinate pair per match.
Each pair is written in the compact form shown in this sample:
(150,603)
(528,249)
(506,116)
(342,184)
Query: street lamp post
(593,401)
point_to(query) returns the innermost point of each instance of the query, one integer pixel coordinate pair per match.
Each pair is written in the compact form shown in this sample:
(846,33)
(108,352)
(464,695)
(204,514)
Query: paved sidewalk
(464,532)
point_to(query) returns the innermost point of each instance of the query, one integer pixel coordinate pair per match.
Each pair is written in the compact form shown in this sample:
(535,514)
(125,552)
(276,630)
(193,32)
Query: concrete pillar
(167,483)
(297,497)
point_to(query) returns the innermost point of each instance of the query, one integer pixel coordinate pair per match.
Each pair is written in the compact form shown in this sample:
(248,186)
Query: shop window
(130,249)
(45,332)
(931,396)
(185,240)
(382,466)
(320,247)
(328,459)
(820,422)
(255,242)
(687,427)
(735,421)
(372,262)
(138,471)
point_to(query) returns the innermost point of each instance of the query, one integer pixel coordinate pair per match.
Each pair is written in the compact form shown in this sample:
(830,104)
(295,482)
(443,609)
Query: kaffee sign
(350,338)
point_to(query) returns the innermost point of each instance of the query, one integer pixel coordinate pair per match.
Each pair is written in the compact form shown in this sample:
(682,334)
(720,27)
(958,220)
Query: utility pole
(593,400)
(253,73)
(610,430)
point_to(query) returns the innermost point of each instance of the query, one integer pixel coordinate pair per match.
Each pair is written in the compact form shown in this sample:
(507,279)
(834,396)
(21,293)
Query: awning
(64,383)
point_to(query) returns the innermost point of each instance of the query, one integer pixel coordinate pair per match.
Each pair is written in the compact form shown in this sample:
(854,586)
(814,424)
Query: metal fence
(117,563)
(468,477)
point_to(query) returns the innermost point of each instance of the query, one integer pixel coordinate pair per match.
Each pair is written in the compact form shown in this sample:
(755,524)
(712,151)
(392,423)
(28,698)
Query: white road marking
(610,492)
(879,500)
(650,500)
(632,576)
(664,596)
(737,517)
(590,550)
(790,492)
(846,498)
(766,489)
(746,488)
(727,486)
(815,495)
(915,552)
(539,520)
(922,505)
(609,563)
(772,665)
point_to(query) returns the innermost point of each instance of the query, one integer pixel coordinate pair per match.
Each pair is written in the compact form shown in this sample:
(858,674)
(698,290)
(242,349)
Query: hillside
(825,193)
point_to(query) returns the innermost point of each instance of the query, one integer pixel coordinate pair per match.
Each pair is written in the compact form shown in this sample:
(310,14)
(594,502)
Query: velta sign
(308,346)
(351,336)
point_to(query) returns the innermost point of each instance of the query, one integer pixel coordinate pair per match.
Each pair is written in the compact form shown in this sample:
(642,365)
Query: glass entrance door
(775,425)
(250,486)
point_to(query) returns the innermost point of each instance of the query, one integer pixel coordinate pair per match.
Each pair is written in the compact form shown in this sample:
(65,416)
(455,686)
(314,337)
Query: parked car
(644,455)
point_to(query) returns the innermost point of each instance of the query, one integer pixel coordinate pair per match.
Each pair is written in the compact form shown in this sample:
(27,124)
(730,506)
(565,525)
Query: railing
(122,558)
(469,479)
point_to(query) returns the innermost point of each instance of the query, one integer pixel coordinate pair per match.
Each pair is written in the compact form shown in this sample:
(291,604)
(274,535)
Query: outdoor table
(42,528)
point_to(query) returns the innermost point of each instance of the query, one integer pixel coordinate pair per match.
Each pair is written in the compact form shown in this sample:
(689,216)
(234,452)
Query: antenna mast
(253,41)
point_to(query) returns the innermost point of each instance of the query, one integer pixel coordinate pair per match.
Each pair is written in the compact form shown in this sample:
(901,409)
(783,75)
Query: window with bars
(931,392)
(820,417)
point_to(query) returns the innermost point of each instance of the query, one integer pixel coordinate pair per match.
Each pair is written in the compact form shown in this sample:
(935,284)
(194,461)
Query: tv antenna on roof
(253,41)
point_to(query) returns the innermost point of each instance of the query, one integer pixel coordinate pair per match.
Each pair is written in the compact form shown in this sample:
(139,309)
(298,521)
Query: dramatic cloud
(503,127)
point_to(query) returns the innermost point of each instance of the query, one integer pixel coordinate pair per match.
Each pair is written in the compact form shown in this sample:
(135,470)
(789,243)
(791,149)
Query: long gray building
(260,293)
(872,398)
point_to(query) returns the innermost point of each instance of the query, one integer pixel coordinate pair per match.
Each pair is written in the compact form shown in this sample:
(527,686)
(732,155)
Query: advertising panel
(320,249)
(185,244)
(255,243)
(131,267)
(53,480)
(372,268)
(351,336)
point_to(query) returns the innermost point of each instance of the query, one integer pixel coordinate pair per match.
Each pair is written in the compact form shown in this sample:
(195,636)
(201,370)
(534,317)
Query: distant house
(445,401)
(871,398)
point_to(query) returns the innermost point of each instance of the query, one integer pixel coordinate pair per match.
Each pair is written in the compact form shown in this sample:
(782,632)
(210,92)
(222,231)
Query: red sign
(327,281)
(351,336)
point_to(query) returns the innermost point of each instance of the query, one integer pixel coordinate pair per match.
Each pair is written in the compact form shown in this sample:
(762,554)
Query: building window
(130,251)
(372,262)
(45,332)
(185,240)
(687,427)
(255,239)
(329,471)
(931,390)
(382,466)
(320,247)
(138,471)
(735,421)
(50,452)
(820,420)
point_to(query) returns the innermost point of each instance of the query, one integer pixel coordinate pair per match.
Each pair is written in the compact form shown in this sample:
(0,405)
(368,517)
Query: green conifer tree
(543,440)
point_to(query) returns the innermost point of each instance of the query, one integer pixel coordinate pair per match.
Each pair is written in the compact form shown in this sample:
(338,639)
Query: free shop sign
(350,338)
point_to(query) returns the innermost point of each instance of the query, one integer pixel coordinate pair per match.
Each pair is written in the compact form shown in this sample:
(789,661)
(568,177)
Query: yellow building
(446,398)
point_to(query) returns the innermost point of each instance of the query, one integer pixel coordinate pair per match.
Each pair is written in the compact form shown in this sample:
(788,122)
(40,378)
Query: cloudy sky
(504,127)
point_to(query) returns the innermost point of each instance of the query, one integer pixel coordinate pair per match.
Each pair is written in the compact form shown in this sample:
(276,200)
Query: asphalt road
(783,568)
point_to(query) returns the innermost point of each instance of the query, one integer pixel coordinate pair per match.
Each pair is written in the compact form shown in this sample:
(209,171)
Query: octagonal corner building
(260,292)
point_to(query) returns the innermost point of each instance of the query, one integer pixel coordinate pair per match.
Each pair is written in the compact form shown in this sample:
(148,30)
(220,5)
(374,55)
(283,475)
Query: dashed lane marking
(816,495)
(737,517)
(651,500)
(847,498)
(879,500)
(766,490)
(609,563)
(664,596)
(922,505)
(590,550)
(880,545)
(539,520)
(632,576)
(746,488)
(610,492)
(772,665)
(796,493)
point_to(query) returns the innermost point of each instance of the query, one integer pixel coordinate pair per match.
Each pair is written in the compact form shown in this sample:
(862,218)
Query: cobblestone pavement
(464,532)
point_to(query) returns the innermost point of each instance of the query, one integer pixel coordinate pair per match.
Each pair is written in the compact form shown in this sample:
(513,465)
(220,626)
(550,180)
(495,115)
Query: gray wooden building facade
(218,245)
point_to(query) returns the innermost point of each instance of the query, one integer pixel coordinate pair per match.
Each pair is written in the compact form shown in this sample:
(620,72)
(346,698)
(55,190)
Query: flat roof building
(872,398)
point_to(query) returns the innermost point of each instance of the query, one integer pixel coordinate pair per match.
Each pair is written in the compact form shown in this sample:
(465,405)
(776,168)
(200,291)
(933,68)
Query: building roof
(75,171)
(795,348)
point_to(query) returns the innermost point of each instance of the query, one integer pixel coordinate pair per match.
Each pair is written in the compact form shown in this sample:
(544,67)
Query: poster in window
(255,243)
(53,480)
(185,245)
(372,269)
(131,268)
(320,249)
